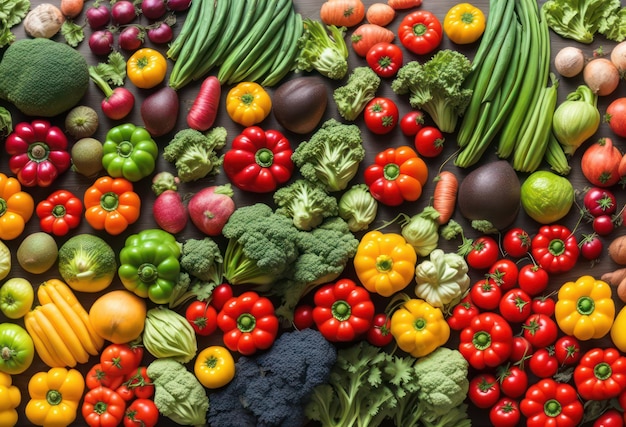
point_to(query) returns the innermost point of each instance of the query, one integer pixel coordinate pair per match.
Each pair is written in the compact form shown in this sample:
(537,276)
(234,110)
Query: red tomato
(379,334)
(484,390)
(125,392)
(484,253)
(412,122)
(616,114)
(522,349)
(385,59)
(533,279)
(599,201)
(140,383)
(429,141)
(516,242)
(96,377)
(515,305)
(220,295)
(591,246)
(504,272)
(141,413)
(462,314)
(118,359)
(543,304)
(485,294)
(303,317)
(381,115)
(505,413)
(202,317)
(543,363)
(610,418)
(567,350)
(513,381)
(540,330)
(603,225)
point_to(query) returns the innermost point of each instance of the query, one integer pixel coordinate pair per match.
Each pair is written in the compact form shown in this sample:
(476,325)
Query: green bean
(284,63)
(189,26)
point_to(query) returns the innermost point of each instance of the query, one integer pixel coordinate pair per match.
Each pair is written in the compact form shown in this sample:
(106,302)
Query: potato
(617,250)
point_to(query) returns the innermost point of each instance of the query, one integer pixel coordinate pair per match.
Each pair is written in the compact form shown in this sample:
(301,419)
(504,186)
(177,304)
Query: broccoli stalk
(436,87)
(360,89)
(194,153)
(324,52)
(331,156)
(306,202)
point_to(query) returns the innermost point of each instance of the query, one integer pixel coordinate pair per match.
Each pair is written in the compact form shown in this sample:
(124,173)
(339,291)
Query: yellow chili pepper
(214,367)
(10,398)
(146,68)
(248,103)
(384,262)
(464,23)
(419,328)
(16,207)
(585,309)
(54,397)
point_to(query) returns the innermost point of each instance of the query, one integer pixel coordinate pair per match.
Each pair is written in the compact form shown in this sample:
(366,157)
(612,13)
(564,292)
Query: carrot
(342,13)
(204,109)
(444,196)
(367,35)
(380,14)
(404,4)
(72,8)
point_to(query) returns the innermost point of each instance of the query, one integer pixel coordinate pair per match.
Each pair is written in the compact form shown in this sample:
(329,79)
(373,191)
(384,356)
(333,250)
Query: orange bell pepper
(16,207)
(111,205)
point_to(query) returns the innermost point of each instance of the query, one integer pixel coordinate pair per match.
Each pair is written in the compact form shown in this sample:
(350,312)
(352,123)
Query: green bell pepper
(150,269)
(129,152)
(158,235)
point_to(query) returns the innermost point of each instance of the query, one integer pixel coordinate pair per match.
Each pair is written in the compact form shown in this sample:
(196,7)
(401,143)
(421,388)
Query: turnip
(169,212)
(131,38)
(569,61)
(210,208)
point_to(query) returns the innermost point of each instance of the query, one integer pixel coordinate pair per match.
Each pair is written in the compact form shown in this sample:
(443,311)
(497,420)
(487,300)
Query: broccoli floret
(177,392)
(163,181)
(436,87)
(358,207)
(272,388)
(261,245)
(42,77)
(194,153)
(306,202)
(187,288)
(360,89)
(321,51)
(202,259)
(331,156)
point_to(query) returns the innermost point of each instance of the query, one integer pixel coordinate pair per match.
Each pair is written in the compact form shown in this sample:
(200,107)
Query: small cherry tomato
(603,225)
(303,317)
(462,314)
(202,317)
(567,350)
(381,115)
(599,201)
(591,246)
(385,59)
(516,242)
(543,304)
(513,381)
(533,279)
(522,349)
(429,141)
(610,418)
(220,295)
(515,306)
(412,122)
(484,390)
(379,334)
(504,272)
(483,253)
(485,294)
(505,413)
(540,330)
(543,363)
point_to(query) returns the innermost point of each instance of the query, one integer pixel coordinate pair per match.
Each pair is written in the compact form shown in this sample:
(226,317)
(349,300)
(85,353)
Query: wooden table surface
(308,8)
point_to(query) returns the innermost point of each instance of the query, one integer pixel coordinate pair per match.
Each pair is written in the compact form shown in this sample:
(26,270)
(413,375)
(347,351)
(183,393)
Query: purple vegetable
(123,12)
(101,42)
(98,17)
(161,34)
(178,5)
(153,9)
(169,212)
(131,38)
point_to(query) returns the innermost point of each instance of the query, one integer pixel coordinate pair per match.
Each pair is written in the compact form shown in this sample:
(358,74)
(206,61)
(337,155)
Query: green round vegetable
(168,334)
(16,349)
(87,263)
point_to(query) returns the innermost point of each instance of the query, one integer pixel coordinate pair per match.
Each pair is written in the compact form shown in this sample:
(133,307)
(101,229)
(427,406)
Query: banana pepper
(10,399)
(419,328)
(384,262)
(54,397)
(129,152)
(585,308)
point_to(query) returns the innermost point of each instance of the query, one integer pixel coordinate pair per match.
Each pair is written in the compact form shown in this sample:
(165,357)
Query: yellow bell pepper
(585,309)
(54,397)
(214,366)
(248,103)
(384,262)
(10,398)
(419,328)
(146,68)
(464,23)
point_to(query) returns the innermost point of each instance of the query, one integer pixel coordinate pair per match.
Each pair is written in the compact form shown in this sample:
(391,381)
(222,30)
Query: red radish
(98,17)
(210,208)
(178,5)
(169,211)
(161,33)
(204,109)
(123,12)
(131,38)
(153,9)
(101,42)
(118,104)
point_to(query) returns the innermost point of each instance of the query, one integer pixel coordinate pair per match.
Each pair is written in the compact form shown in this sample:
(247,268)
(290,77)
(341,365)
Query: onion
(178,5)
(601,76)
(569,61)
(101,42)
(153,9)
(131,38)
(160,34)
(123,12)
(618,57)
(98,17)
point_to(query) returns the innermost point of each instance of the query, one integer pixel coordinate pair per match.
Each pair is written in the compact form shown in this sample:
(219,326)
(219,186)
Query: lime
(547,197)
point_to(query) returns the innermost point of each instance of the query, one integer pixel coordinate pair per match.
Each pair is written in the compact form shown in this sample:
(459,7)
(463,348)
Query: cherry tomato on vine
(379,333)
(533,279)
(543,363)
(202,317)
(485,294)
(516,242)
(543,304)
(504,272)
(603,225)
(515,305)
(429,141)
(412,122)
(513,381)
(484,390)
(484,253)
(220,295)
(505,413)
(381,115)
(385,59)
(521,349)
(118,359)
(600,201)
(591,246)
(567,350)
(303,317)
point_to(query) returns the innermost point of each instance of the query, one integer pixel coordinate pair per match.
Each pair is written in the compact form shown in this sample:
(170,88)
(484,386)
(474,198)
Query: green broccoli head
(360,89)
(194,153)
(42,77)
(437,87)
(202,259)
(324,52)
(332,155)
(358,207)
(306,202)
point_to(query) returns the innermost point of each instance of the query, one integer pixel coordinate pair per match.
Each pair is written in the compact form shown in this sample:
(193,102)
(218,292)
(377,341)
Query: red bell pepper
(60,212)
(103,407)
(487,341)
(259,161)
(555,248)
(38,153)
(343,310)
(420,32)
(249,323)
(397,175)
(548,403)
(600,374)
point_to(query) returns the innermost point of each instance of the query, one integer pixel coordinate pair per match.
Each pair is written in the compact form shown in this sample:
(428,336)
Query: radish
(169,211)
(204,109)
(211,207)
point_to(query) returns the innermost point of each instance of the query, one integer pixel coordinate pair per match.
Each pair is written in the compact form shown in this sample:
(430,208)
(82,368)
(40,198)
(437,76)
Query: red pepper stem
(556,247)
(419,29)
(100,408)
(264,157)
(58,211)
(341,310)
(38,152)
(109,201)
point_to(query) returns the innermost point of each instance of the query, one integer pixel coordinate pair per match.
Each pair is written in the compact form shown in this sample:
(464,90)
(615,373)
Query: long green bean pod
(189,25)
(285,61)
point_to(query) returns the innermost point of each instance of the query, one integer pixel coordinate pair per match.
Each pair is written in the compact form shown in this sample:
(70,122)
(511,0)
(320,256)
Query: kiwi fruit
(86,156)
(37,253)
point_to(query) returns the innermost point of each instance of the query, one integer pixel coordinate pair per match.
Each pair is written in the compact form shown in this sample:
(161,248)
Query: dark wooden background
(308,8)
